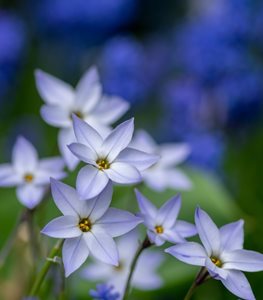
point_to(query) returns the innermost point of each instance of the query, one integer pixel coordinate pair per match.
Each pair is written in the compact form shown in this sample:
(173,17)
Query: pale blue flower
(30,174)
(87,226)
(162,224)
(104,292)
(222,254)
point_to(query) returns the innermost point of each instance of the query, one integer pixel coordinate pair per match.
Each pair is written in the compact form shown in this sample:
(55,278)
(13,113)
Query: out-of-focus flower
(144,277)
(164,173)
(162,225)
(108,159)
(12,43)
(30,174)
(86,101)
(104,292)
(87,226)
(222,254)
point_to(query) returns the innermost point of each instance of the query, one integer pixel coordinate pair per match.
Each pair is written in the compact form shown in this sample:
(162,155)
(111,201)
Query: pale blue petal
(185,229)
(146,207)
(123,173)
(155,238)
(8,176)
(30,195)
(232,236)
(214,271)
(56,116)
(83,153)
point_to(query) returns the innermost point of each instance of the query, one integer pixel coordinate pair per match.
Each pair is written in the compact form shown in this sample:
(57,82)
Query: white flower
(86,101)
(29,174)
(162,225)
(87,226)
(108,159)
(164,174)
(145,276)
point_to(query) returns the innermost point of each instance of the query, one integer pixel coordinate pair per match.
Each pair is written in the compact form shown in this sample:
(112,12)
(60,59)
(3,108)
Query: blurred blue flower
(12,43)
(104,292)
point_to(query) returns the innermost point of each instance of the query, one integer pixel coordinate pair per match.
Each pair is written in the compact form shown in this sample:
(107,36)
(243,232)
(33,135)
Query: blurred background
(192,72)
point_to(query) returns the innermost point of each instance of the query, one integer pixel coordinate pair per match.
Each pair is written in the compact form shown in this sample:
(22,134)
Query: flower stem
(146,244)
(201,277)
(42,274)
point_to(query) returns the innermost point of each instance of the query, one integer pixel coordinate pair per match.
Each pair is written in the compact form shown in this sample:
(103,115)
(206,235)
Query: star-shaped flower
(30,174)
(145,276)
(86,101)
(87,226)
(108,159)
(165,173)
(222,254)
(162,225)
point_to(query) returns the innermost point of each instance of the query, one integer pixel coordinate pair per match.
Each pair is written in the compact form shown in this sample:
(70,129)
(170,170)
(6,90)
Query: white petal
(157,179)
(83,153)
(144,142)
(8,176)
(237,283)
(88,90)
(102,246)
(172,236)
(118,139)
(173,154)
(117,222)
(191,253)
(66,198)
(176,179)
(66,136)
(53,90)
(123,173)
(86,135)
(157,239)
(56,116)
(91,182)
(52,164)
(24,156)
(74,253)
(30,195)
(208,232)
(232,236)
(63,227)
(168,213)
(185,229)
(110,109)
(243,260)
(146,207)
(139,159)
(97,271)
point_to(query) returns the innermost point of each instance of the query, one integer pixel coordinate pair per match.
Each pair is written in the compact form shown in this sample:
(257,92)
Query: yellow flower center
(78,113)
(119,267)
(85,225)
(103,164)
(216,261)
(28,177)
(159,229)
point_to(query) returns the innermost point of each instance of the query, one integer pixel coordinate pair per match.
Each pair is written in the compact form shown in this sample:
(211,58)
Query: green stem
(146,243)
(201,277)
(42,274)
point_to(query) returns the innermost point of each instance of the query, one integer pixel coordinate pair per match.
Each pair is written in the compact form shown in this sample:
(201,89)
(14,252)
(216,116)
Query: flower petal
(86,134)
(8,176)
(232,236)
(66,198)
(52,163)
(172,236)
(237,283)
(56,116)
(30,195)
(243,260)
(66,136)
(62,227)
(139,159)
(102,246)
(173,154)
(52,90)
(110,109)
(24,156)
(176,179)
(117,222)
(157,239)
(83,153)
(191,253)
(90,182)
(146,207)
(74,253)
(123,173)
(118,139)
(215,271)
(208,232)
(144,142)
(168,213)
(185,229)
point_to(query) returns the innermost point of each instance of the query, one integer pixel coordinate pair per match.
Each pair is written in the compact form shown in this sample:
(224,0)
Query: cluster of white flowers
(114,157)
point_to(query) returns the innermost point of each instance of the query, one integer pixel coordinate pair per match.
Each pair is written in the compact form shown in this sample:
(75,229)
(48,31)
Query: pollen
(85,225)
(28,177)
(103,164)
(216,261)
(159,229)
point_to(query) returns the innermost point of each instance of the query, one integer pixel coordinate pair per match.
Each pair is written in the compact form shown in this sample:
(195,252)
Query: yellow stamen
(28,177)
(159,229)
(103,164)
(78,114)
(216,261)
(85,225)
